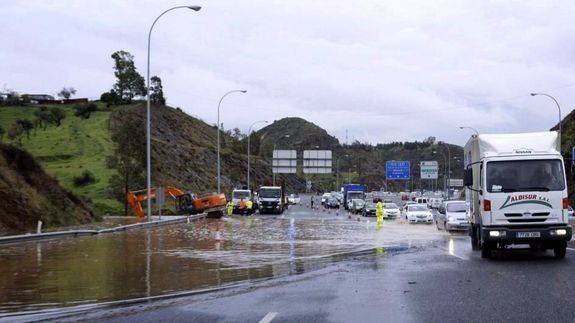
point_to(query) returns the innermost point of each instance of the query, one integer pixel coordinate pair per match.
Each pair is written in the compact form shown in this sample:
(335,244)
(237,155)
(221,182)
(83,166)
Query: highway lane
(442,280)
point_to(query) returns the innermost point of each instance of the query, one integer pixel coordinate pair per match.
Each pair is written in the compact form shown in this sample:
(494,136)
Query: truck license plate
(528,234)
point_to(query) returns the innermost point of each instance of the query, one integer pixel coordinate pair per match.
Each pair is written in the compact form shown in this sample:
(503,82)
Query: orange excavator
(185,202)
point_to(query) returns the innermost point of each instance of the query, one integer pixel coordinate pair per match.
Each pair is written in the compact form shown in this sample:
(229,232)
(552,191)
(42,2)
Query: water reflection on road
(206,253)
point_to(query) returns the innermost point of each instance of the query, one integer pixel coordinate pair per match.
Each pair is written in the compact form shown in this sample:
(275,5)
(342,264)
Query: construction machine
(185,203)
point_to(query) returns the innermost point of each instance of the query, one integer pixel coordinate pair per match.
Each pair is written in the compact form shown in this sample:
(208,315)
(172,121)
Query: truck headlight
(561,232)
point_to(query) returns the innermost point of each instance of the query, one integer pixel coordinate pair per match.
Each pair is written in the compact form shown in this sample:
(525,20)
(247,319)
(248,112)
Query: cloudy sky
(383,70)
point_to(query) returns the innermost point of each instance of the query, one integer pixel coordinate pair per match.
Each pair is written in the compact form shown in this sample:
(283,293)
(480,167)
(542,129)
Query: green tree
(66,93)
(128,159)
(129,83)
(15,132)
(56,116)
(85,110)
(111,98)
(26,126)
(44,116)
(2,132)
(157,91)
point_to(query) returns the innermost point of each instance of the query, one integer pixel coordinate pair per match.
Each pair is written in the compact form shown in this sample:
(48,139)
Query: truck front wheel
(560,249)
(486,249)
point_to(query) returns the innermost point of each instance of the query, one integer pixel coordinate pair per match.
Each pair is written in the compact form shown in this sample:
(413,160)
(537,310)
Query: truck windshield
(270,193)
(354,195)
(525,175)
(241,195)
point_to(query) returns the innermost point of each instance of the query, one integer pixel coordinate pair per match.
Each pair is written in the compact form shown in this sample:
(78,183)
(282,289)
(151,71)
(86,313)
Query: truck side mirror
(468,177)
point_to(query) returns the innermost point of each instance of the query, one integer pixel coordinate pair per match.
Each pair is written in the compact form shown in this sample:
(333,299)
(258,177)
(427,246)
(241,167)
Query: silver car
(452,216)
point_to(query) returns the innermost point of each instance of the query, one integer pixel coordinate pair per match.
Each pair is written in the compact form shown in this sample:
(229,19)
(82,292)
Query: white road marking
(269,317)
(571,249)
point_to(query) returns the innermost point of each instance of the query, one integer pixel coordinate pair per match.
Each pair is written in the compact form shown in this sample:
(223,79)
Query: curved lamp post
(470,128)
(249,153)
(219,161)
(148,116)
(558,108)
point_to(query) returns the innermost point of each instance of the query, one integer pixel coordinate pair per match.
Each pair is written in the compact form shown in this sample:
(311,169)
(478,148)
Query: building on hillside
(37,98)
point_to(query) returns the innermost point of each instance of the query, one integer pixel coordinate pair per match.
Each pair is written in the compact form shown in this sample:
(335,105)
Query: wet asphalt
(440,281)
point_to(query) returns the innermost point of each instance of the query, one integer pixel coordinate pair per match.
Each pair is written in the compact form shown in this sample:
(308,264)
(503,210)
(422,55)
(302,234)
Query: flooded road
(182,257)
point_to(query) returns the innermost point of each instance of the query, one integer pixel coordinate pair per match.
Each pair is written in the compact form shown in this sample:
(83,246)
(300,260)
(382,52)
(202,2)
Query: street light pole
(249,135)
(218,126)
(558,108)
(148,116)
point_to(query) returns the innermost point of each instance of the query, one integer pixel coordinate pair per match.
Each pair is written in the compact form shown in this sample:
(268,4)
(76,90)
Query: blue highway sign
(397,169)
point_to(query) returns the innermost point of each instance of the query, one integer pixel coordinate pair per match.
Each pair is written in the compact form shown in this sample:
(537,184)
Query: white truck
(271,199)
(517,192)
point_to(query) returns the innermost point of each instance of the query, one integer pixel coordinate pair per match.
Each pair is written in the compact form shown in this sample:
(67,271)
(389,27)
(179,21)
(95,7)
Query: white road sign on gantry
(429,169)
(317,161)
(284,161)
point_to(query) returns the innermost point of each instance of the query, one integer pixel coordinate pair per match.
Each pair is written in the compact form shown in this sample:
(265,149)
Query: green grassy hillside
(67,151)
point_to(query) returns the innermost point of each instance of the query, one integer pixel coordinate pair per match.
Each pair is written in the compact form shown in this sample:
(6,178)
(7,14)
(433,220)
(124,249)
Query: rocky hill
(362,163)
(184,153)
(28,194)
(567,144)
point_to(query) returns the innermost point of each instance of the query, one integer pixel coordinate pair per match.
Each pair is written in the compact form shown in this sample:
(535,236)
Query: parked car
(332,203)
(418,213)
(356,205)
(391,211)
(294,199)
(368,209)
(570,212)
(452,215)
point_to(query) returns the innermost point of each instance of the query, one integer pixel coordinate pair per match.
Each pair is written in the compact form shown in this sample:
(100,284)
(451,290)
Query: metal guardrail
(76,233)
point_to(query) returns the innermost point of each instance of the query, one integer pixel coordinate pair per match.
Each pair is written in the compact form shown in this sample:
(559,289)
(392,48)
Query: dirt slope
(28,194)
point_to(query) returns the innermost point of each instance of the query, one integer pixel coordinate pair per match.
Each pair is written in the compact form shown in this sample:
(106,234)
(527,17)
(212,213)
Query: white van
(421,200)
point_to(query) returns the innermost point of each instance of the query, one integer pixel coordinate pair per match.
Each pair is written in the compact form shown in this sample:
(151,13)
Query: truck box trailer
(517,192)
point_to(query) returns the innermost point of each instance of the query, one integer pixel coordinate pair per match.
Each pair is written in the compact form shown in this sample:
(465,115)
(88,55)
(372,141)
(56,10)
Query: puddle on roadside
(174,258)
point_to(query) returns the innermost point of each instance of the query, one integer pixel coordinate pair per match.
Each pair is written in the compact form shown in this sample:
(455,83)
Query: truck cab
(270,199)
(517,192)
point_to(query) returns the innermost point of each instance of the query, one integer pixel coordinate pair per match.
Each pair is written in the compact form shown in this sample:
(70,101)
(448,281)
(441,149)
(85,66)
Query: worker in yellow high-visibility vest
(230,208)
(379,211)
(249,205)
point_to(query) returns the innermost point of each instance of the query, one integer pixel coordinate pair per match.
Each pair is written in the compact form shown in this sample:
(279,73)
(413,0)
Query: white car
(435,202)
(324,198)
(418,213)
(570,212)
(391,210)
(356,206)
(453,215)
(293,199)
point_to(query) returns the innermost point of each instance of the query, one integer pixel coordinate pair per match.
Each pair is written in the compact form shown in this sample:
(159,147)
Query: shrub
(85,110)
(86,178)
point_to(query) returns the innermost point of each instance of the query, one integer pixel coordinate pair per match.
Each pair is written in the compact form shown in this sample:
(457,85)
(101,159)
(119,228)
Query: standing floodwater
(163,260)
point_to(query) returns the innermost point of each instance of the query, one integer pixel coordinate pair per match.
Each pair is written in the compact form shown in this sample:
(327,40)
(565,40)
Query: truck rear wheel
(560,249)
